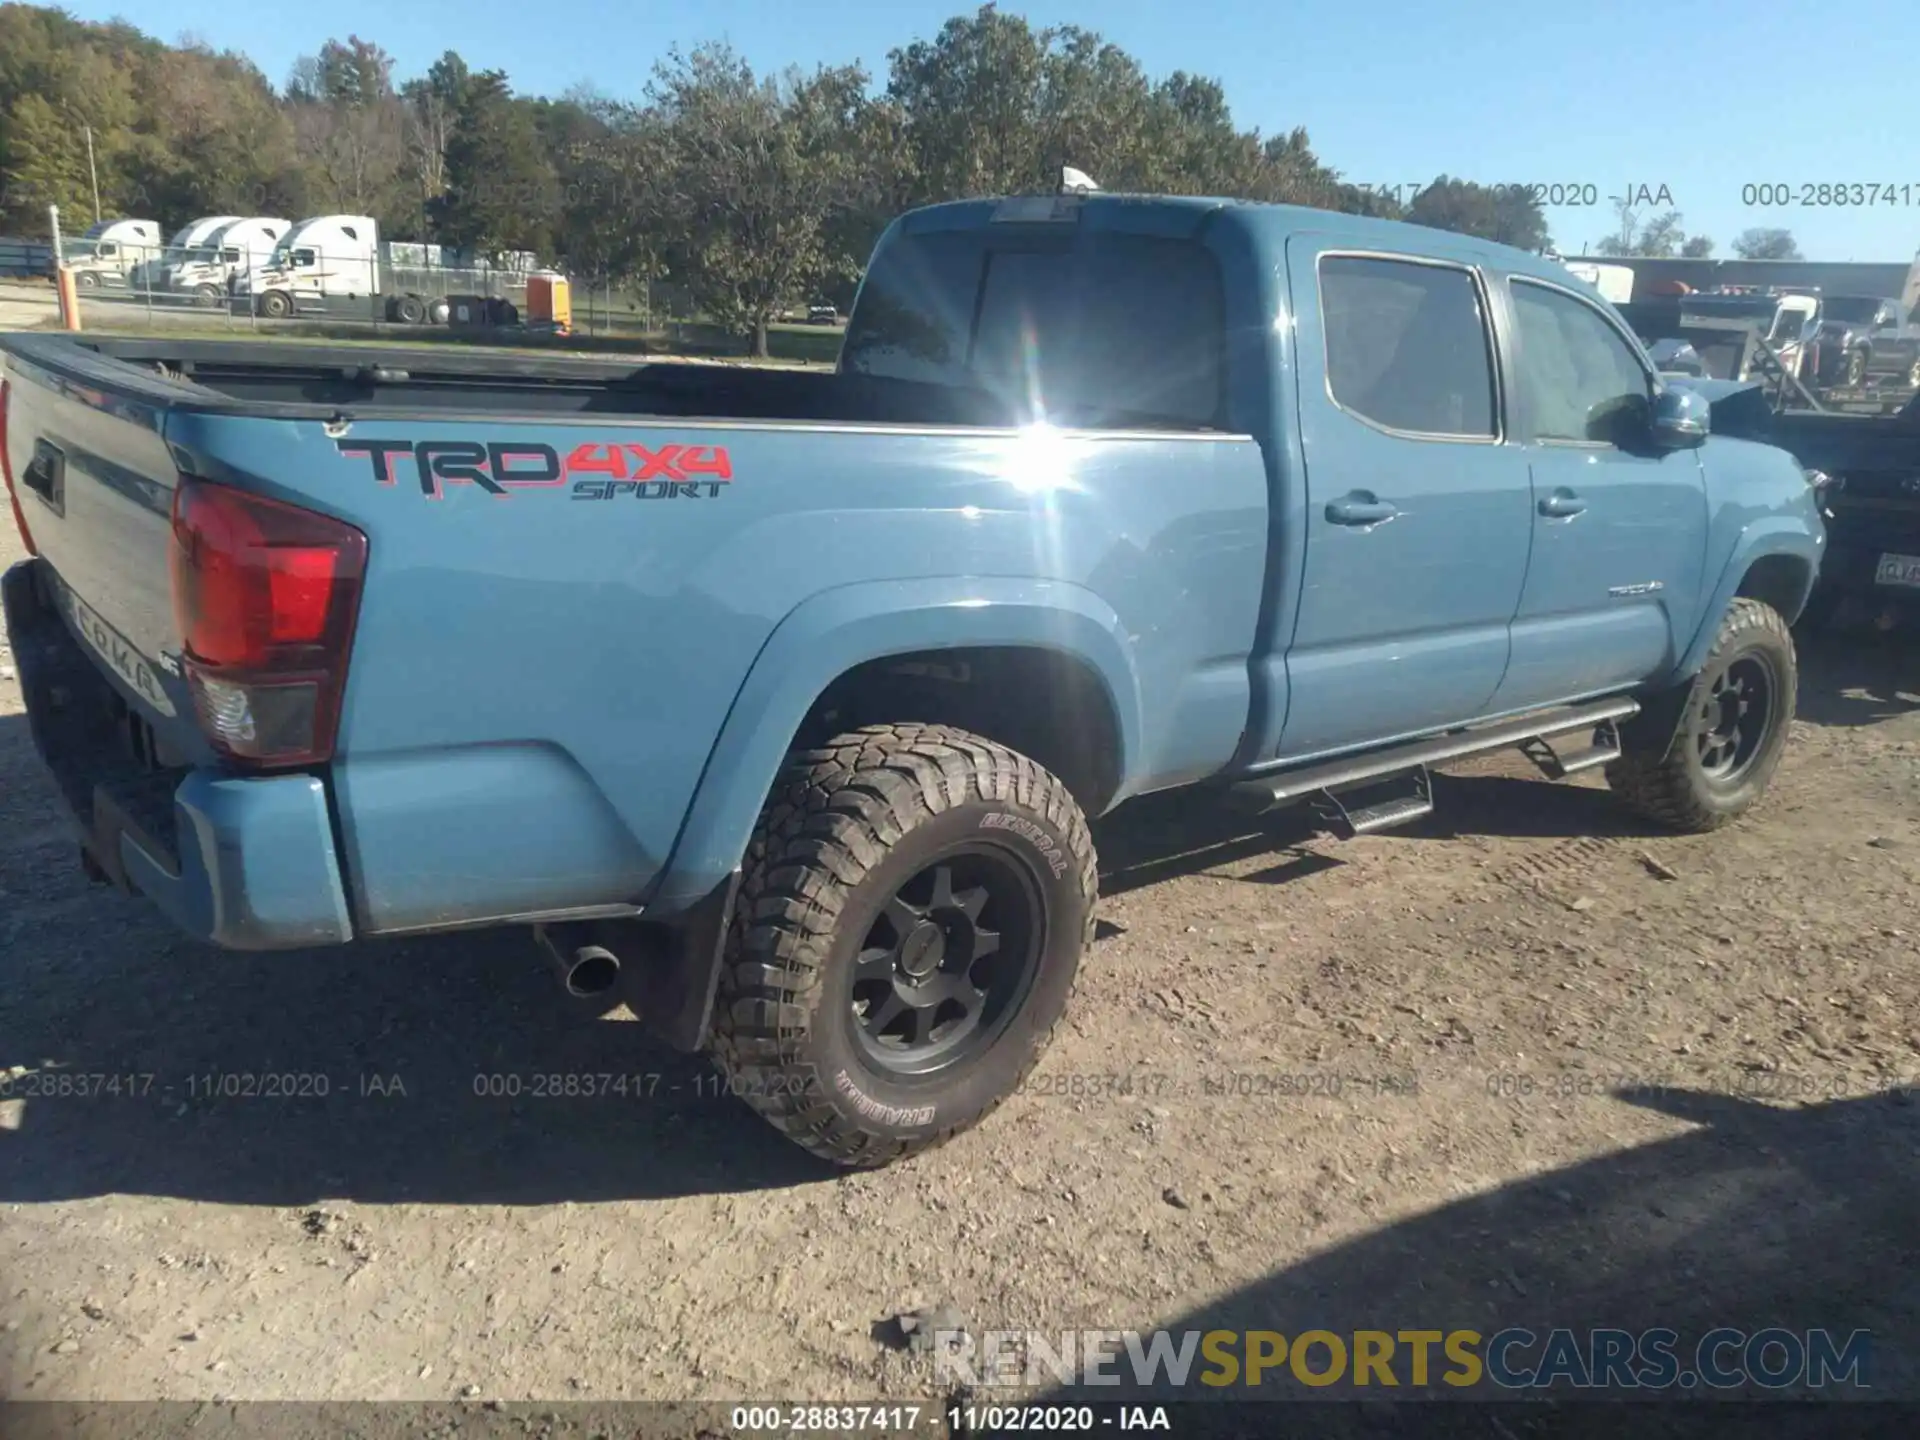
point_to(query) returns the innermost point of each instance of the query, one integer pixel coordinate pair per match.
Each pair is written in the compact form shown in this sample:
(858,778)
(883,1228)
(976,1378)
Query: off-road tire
(844,827)
(1661,775)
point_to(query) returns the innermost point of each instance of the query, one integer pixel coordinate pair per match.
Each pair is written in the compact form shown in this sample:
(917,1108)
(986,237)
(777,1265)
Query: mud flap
(674,994)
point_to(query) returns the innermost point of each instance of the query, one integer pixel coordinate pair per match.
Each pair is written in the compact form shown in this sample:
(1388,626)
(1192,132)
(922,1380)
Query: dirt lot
(1523,957)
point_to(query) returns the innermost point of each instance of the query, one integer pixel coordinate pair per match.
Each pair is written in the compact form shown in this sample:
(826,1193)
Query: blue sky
(1703,98)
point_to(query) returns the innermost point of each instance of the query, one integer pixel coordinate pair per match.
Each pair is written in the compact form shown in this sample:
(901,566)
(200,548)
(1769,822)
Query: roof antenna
(1076,182)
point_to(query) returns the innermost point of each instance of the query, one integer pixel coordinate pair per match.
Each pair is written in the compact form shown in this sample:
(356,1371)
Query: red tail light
(6,470)
(265,596)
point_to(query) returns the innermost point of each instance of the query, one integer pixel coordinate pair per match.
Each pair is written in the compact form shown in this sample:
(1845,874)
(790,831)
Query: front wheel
(1716,760)
(1856,367)
(910,921)
(1913,374)
(276,305)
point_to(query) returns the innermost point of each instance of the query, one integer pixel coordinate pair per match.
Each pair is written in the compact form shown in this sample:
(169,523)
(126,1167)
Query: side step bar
(1531,733)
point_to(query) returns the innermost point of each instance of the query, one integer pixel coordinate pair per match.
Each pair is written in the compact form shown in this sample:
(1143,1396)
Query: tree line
(749,191)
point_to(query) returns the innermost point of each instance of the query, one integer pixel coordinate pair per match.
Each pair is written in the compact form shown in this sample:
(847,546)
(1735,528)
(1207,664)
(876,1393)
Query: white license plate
(1898,570)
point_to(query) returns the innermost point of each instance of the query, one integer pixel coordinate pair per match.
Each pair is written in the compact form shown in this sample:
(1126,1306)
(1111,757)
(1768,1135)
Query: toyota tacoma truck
(787,697)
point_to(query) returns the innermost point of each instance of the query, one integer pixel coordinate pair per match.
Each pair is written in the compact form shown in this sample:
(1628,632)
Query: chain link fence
(398,292)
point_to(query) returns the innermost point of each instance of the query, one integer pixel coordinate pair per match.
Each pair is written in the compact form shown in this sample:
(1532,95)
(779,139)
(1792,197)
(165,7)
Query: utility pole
(92,174)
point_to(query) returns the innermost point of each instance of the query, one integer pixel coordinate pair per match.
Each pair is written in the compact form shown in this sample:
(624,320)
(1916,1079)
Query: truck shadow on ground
(437,1070)
(1858,676)
(1764,1215)
(1162,837)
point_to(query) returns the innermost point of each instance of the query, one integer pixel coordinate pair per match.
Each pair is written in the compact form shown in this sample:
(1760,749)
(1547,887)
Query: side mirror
(1680,418)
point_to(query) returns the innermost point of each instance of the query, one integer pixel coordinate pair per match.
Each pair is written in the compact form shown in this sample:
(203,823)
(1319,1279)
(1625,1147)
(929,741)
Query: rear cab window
(1408,346)
(1099,327)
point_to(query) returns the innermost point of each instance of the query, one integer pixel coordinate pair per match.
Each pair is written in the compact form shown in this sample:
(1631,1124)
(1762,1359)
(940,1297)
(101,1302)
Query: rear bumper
(245,863)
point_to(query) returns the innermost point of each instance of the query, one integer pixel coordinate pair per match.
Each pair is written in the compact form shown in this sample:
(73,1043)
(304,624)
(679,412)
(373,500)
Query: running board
(1408,796)
(1529,732)
(1557,764)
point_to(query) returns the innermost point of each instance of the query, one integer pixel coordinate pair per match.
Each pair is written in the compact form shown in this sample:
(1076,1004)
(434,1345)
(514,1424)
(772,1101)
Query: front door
(1418,514)
(1619,528)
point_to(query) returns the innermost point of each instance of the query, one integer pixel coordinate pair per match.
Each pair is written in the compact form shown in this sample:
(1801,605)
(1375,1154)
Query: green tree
(501,191)
(1660,237)
(431,102)
(1766,244)
(47,165)
(751,174)
(1508,214)
(349,129)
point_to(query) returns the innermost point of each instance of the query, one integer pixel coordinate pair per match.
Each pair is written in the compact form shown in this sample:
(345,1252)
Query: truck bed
(274,379)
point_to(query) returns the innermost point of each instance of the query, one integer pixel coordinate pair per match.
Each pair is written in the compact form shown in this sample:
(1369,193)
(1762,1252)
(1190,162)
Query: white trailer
(1614,282)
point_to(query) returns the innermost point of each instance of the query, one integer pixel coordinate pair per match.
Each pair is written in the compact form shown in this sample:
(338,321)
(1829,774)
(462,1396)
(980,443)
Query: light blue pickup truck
(785,698)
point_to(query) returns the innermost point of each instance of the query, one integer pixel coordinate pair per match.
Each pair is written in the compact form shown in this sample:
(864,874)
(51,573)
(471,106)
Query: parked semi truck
(106,254)
(339,265)
(209,273)
(788,696)
(151,273)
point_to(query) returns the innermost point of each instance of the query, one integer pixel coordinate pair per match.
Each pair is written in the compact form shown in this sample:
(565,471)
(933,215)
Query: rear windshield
(1853,309)
(1121,329)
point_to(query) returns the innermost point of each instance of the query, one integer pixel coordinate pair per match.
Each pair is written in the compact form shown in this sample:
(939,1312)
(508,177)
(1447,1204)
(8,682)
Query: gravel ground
(1585,1074)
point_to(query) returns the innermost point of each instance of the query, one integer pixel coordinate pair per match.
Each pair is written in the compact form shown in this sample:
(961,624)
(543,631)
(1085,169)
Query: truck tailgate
(94,480)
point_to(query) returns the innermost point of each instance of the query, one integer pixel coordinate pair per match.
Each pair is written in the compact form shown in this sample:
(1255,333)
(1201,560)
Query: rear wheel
(910,922)
(408,310)
(1716,760)
(1913,374)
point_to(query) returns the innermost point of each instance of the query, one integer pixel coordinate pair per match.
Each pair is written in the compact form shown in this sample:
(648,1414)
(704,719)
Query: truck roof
(1178,216)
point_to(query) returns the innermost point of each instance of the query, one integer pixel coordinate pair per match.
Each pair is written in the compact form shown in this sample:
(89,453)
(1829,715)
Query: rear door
(1418,513)
(1619,528)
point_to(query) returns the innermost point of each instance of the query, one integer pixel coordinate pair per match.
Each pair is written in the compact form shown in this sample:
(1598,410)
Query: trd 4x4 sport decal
(595,471)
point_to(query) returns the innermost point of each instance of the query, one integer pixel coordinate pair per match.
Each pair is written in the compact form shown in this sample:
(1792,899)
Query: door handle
(1562,505)
(1360,508)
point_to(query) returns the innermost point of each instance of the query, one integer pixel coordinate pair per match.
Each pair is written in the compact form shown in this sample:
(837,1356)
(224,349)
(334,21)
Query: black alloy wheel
(948,959)
(1733,717)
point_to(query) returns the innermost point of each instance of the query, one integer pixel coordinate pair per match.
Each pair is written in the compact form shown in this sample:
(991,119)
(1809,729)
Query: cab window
(1580,380)
(1407,345)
